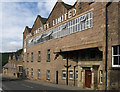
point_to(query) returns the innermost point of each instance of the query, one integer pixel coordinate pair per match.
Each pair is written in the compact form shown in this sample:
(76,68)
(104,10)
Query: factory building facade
(76,45)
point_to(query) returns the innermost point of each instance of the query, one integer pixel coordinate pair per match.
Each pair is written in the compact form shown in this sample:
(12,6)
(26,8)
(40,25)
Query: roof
(43,20)
(5,66)
(29,29)
(67,6)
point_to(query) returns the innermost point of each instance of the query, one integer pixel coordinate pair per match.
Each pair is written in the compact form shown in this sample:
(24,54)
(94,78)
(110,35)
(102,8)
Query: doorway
(88,77)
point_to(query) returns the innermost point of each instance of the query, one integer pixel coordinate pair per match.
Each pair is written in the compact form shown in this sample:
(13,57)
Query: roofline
(56,4)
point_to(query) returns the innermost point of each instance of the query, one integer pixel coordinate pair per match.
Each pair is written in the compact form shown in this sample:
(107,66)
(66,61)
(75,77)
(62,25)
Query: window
(14,66)
(48,55)
(31,72)
(38,73)
(48,74)
(78,24)
(27,57)
(64,74)
(101,76)
(38,56)
(20,68)
(27,72)
(76,75)
(32,57)
(70,74)
(116,56)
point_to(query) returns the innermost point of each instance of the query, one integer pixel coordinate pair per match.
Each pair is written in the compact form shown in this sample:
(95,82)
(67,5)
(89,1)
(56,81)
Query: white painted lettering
(53,22)
(74,12)
(65,16)
(56,21)
(69,14)
(59,19)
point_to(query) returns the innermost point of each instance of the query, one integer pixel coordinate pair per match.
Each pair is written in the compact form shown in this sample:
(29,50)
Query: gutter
(106,40)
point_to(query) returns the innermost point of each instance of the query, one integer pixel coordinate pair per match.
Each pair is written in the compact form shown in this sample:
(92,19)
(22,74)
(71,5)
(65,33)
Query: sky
(15,15)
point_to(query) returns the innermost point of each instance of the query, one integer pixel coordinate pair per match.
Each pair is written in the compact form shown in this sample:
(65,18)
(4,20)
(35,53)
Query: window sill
(115,68)
(70,78)
(64,59)
(101,83)
(63,78)
(48,79)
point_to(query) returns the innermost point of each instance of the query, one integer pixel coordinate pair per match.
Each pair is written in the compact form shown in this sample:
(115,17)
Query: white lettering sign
(65,16)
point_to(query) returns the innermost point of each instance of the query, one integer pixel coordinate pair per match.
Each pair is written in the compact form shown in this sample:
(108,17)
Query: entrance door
(88,77)
(56,77)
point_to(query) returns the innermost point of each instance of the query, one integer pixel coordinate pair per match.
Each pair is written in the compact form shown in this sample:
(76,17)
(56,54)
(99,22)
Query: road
(18,84)
(21,85)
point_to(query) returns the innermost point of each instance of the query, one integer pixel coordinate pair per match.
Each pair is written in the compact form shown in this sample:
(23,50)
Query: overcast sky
(15,16)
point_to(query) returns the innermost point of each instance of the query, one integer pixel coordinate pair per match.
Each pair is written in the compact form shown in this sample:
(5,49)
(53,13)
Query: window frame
(70,73)
(48,55)
(101,77)
(38,73)
(63,72)
(118,55)
(48,75)
(39,56)
(27,57)
(31,72)
(31,56)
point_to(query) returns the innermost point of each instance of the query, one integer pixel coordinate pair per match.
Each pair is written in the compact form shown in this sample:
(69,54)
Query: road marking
(27,86)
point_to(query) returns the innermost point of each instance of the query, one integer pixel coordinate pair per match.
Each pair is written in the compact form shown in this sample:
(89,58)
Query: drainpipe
(67,70)
(106,40)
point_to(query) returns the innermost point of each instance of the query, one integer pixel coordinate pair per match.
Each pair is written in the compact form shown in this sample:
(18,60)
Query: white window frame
(118,55)
(70,73)
(63,72)
(48,74)
(101,76)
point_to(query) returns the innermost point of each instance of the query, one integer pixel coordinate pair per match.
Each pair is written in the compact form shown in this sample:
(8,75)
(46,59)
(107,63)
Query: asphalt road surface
(18,84)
